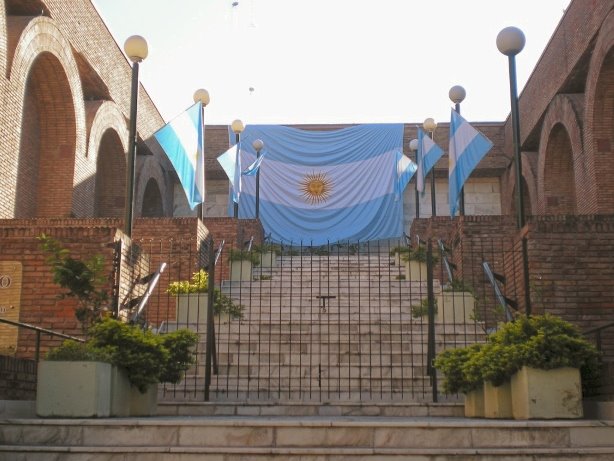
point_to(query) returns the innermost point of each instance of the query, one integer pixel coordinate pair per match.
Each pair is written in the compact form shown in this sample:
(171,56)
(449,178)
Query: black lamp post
(237,127)
(136,50)
(457,94)
(258,145)
(413,147)
(510,42)
(202,95)
(429,126)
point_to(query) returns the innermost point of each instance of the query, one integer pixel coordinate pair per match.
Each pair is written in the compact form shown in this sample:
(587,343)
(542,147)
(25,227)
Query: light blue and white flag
(405,171)
(182,140)
(428,154)
(467,147)
(253,169)
(322,187)
(228,160)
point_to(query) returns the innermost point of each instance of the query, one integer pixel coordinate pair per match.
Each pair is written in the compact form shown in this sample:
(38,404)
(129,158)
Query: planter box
(474,403)
(547,394)
(74,389)
(455,307)
(268,259)
(415,270)
(241,271)
(192,308)
(497,400)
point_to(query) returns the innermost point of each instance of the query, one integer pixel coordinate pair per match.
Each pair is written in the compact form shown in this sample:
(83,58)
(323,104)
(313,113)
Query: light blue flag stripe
(326,186)
(431,153)
(405,170)
(467,148)
(182,140)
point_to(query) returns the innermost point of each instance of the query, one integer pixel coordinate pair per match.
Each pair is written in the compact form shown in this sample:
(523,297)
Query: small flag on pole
(182,139)
(427,155)
(405,171)
(467,147)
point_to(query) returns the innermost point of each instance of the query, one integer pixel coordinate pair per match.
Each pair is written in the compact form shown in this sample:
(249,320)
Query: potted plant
(415,263)
(114,373)
(457,302)
(116,369)
(241,263)
(422,309)
(193,300)
(397,252)
(267,254)
(453,364)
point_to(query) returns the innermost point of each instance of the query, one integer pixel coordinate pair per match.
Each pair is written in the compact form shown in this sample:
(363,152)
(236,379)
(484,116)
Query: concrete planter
(268,259)
(497,400)
(192,308)
(75,389)
(241,270)
(415,270)
(455,307)
(546,394)
(474,403)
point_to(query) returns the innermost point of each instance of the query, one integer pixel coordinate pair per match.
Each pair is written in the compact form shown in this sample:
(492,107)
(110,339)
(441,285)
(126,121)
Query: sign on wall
(10,296)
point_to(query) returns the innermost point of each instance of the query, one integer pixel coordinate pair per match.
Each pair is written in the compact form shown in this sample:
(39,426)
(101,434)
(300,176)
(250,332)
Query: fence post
(210,345)
(430,356)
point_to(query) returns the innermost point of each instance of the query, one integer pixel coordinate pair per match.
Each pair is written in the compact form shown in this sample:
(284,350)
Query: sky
(331,61)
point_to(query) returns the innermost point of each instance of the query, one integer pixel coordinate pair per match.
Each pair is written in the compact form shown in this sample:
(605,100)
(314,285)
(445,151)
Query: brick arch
(148,168)
(561,160)
(45,78)
(152,200)
(106,159)
(599,127)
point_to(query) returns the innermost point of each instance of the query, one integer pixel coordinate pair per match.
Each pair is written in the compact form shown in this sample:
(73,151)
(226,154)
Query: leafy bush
(422,309)
(545,342)
(267,248)
(199,283)
(418,254)
(74,351)
(458,285)
(402,250)
(244,255)
(452,363)
(84,280)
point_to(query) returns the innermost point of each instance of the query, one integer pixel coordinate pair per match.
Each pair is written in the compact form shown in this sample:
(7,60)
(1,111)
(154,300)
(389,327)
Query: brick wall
(17,378)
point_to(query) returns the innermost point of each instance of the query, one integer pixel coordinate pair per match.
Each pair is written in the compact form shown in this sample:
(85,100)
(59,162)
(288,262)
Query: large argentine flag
(428,154)
(325,186)
(182,140)
(467,147)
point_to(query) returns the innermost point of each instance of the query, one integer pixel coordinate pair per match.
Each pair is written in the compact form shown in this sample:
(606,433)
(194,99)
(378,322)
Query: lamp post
(413,147)
(202,95)
(457,95)
(258,145)
(510,42)
(237,127)
(136,50)
(429,126)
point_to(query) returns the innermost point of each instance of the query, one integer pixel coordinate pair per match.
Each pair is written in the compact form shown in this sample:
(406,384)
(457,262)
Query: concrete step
(306,438)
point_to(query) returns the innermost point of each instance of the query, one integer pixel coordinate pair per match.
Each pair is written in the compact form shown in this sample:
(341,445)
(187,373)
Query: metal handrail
(40,331)
(150,288)
(250,243)
(444,258)
(504,301)
(597,332)
(218,252)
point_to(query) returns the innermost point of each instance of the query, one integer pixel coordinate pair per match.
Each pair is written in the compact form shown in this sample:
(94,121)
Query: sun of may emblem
(316,188)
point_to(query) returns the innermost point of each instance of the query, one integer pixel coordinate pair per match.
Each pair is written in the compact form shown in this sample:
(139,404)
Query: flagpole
(457,95)
(137,50)
(258,144)
(430,126)
(202,95)
(237,127)
(413,147)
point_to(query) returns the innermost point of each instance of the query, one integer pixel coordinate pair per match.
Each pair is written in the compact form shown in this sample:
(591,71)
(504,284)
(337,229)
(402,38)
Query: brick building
(64,109)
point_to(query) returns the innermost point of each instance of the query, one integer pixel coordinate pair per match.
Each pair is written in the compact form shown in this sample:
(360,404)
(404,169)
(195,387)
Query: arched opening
(48,139)
(559,182)
(603,132)
(110,192)
(152,200)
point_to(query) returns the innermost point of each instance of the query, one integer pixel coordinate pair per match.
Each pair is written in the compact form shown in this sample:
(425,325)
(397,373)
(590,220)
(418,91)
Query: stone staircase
(360,343)
(304,438)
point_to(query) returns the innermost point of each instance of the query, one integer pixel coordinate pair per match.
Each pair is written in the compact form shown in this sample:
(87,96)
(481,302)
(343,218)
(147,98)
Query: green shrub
(452,363)
(74,351)
(267,248)
(199,283)
(402,250)
(422,309)
(244,255)
(419,254)
(458,285)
